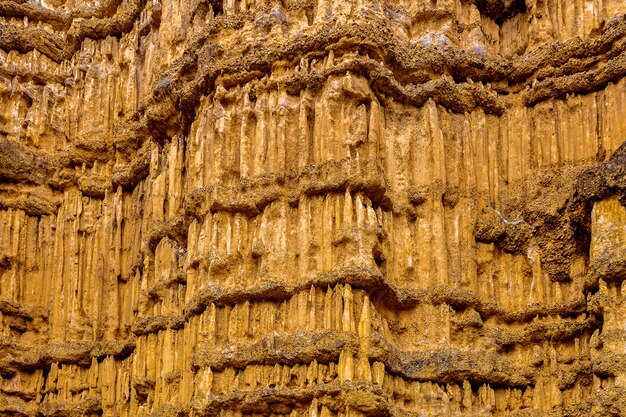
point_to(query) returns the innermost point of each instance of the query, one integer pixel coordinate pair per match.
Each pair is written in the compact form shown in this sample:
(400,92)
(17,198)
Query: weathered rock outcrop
(313,208)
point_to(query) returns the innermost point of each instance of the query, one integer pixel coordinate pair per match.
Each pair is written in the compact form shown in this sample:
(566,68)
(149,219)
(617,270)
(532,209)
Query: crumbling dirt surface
(313,208)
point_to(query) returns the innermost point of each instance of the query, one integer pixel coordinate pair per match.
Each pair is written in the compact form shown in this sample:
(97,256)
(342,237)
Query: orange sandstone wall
(312,208)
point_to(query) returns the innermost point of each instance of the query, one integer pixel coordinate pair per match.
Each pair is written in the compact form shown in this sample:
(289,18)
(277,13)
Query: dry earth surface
(313,208)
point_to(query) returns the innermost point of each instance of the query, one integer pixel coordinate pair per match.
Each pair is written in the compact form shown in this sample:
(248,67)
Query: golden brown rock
(313,208)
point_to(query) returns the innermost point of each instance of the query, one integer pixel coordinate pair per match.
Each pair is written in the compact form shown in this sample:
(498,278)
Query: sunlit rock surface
(313,208)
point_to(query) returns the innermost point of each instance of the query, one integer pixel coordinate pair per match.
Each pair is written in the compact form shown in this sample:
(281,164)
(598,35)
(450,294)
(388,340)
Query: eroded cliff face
(312,208)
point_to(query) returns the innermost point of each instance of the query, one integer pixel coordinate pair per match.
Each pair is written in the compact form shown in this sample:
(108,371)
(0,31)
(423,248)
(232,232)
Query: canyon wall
(312,208)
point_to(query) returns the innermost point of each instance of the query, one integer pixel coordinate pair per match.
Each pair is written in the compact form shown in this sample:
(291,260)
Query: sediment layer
(312,208)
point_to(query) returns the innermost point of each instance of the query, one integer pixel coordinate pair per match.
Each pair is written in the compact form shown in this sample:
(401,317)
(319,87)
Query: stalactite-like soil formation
(313,208)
